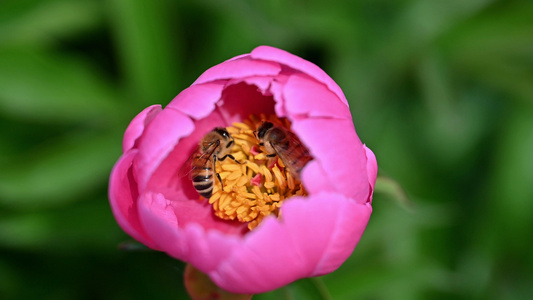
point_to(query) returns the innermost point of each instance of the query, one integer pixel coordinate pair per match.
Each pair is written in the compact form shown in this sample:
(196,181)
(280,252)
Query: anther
(252,187)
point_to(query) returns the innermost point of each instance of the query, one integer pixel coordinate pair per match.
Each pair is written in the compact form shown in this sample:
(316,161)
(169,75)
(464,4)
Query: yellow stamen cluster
(254,186)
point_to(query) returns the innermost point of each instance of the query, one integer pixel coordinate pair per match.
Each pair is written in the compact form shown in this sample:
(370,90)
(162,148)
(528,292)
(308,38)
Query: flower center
(256,183)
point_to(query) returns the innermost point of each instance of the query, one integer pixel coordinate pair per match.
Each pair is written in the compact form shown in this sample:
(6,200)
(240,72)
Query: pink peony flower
(313,236)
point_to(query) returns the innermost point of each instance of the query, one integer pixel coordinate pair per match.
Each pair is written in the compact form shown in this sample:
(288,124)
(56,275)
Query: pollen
(254,186)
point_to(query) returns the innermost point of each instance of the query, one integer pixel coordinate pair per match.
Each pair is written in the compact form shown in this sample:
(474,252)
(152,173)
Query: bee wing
(186,168)
(294,155)
(202,158)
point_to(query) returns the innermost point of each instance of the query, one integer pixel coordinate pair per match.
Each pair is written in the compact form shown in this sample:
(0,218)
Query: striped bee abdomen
(203,181)
(215,145)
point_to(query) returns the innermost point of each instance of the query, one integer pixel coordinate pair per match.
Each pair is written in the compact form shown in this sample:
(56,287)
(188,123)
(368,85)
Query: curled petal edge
(297,245)
(198,101)
(136,127)
(372,170)
(285,58)
(159,139)
(305,96)
(202,248)
(344,167)
(123,196)
(239,67)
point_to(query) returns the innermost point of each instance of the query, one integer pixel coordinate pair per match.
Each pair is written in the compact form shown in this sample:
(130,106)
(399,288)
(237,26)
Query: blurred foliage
(442,91)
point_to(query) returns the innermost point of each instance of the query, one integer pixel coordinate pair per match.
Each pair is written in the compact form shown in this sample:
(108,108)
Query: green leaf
(148,49)
(495,49)
(60,172)
(304,289)
(86,226)
(46,87)
(393,189)
(273,295)
(133,246)
(43,22)
(510,188)
(309,288)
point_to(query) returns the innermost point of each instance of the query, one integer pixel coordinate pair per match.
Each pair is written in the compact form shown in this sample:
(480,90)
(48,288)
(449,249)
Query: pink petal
(198,101)
(166,175)
(305,96)
(123,196)
(137,125)
(239,68)
(372,170)
(268,260)
(276,88)
(183,239)
(297,63)
(316,179)
(344,237)
(159,139)
(261,82)
(160,221)
(315,235)
(241,100)
(336,147)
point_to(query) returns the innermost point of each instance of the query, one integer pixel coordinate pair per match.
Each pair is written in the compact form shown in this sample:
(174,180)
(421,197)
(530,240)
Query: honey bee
(281,142)
(214,146)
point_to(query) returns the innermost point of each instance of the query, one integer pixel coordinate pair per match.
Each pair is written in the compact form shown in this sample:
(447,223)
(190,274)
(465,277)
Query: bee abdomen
(203,185)
(206,194)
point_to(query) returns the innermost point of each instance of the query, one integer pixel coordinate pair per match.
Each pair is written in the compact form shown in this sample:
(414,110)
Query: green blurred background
(442,91)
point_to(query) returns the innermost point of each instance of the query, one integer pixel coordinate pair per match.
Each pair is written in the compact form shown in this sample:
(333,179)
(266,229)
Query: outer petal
(123,196)
(276,89)
(335,145)
(166,176)
(240,68)
(298,63)
(198,101)
(137,125)
(316,179)
(349,229)
(191,243)
(372,170)
(315,235)
(261,82)
(159,139)
(305,96)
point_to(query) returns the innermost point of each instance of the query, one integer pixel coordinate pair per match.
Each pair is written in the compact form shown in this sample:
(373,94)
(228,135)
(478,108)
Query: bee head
(222,131)
(262,130)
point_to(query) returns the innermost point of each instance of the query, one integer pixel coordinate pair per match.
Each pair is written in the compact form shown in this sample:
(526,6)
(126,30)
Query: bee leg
(229,144)
(219,179)
(229,156)
(214,169)
(271,155)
